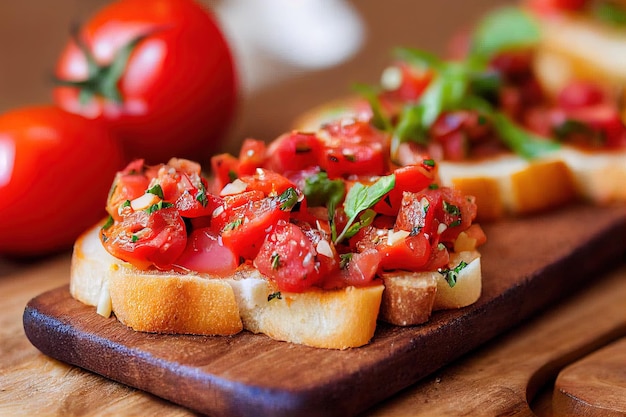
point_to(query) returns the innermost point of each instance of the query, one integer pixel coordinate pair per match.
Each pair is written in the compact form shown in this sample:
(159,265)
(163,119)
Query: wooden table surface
(568,359)
(511,375)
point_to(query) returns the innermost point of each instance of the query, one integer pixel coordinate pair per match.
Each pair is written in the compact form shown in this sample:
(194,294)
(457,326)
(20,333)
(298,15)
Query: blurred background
(292,54)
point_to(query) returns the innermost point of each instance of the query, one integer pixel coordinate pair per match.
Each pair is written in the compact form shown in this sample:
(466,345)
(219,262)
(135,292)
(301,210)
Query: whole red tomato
(159,72)
(56,169)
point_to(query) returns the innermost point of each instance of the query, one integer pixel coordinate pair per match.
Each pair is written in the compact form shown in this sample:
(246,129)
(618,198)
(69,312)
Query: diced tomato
(418,213)
(183,185)
(269,182)
(353,148)
(289,258)
(327,257)
(580,94)
(411,178)
(247,225)
(251,156)
(225,169)
(293,152)
(361,268)
(206,253)
(130,183)
(413,82)
(440,213)
(397,249)
(144,239)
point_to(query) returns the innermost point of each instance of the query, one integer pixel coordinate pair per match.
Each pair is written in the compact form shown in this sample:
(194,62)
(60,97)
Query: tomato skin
(251,156)
(178,89)
(144,239)
(353,148)
(248,224)
(54,178)
(206,253)
(288,257)
(293,152)
(411,178)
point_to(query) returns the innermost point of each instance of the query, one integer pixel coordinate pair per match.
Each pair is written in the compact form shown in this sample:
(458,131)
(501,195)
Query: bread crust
(411,297)
(164,302)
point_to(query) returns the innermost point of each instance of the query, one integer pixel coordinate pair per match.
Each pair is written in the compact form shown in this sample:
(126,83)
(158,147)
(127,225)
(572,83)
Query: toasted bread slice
(191,303)
(600,176)
(574,46)
(511,185)
(410,297)
(150,301)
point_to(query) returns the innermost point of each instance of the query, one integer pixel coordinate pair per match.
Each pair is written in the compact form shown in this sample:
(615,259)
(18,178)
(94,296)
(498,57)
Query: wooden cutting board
(528,264)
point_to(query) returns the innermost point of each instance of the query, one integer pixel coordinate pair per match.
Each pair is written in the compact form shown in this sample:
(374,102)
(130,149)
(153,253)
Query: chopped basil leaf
(233,225)
(273,295)
(201,197)
(320,191)
(288,199)
(433,186)
(418,58)
(451,209)
(134,238)
(156,190)
(504,28)
(365,219)
(455,223)
(232,175)
(521,141)
(158,206)
(125,204)
(570,127)
(362,197)
(108,223)
(275,260)
(344,259)
(451,275)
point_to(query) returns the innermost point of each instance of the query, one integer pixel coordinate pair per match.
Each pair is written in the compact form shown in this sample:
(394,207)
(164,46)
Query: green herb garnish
(288,199)
(273,295)
(362,197)
(451,275)
(156,190)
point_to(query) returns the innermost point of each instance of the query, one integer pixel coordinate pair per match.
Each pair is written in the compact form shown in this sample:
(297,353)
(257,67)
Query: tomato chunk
(144,239)
(206,253)
(247,225)
(289,258)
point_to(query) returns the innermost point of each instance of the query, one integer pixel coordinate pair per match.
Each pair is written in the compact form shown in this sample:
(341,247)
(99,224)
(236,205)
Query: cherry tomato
(55,173)
(159,72)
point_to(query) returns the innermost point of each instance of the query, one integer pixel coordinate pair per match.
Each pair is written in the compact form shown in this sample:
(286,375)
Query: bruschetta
(311,239)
